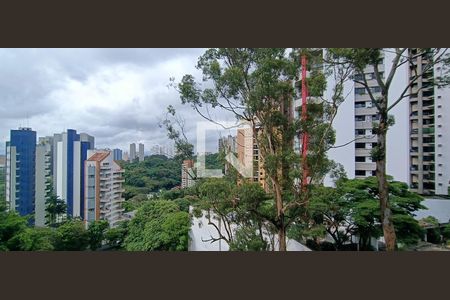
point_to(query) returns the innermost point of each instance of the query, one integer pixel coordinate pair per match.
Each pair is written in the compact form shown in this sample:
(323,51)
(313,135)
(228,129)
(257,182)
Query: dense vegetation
(154,175)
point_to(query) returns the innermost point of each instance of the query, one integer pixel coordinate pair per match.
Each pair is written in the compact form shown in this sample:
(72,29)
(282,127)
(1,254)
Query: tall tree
(257,86)
(55,208)
(359,59)
(96,233)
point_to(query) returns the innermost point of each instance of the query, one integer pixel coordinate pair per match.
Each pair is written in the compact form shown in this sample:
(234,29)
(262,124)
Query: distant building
(227,144)
(125,156)
(103,179)
(141,152)
(166,150)
(132,152)
(187,173)
(117,153)
(21,172)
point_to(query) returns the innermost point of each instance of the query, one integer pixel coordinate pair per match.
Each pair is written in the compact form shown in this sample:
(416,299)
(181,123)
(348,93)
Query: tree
(158,225)
(115,236)
(55,208)
(96,233)
(352,209)
(256,85)
(71,236)
(11,224)
(361,58)
(34,239)
(446,232)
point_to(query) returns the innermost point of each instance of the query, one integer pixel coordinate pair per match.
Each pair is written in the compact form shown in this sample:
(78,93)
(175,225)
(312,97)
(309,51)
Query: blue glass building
(22,158)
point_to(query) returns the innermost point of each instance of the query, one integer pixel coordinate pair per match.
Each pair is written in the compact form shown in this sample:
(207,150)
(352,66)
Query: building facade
(247,151)
(43,178)
(103,188)
(141,152)
(132,155)
(429,118)
(21,172)
(187,173)
(117,153)
(70,153)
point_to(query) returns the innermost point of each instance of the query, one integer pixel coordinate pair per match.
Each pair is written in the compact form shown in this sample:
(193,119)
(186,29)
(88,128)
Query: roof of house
(438,208)
(99,156)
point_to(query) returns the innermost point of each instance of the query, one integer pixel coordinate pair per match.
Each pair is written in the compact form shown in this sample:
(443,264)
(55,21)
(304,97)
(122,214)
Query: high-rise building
(227,143)
(141,152)
(366,115)
(117,153)
(247,150)
(187,173)
(20,171)
(43,178)
(70,152)
(103,188)
(429,109)
(125,156)
(132,152)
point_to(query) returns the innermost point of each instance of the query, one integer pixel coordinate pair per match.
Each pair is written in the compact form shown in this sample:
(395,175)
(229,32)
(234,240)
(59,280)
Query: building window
(360,158)
(360,145)
(360,104)
(374,173)
(360,173)
(360,118)
(360,131)
(360,91)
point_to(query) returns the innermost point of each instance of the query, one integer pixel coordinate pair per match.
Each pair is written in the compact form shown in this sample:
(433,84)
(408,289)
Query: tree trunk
(383,187)
(280,216)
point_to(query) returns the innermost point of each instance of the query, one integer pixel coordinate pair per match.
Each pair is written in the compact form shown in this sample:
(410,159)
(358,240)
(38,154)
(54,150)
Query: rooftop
(99,156)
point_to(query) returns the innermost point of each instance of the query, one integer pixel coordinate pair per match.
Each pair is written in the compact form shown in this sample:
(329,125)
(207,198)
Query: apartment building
(141,152)
(227,143)
(43,178)
(366,117)
(247,151)
(187,173)
(132,155)
(429,118)
(117,153)
(70,152)
(21,171)
(103,188)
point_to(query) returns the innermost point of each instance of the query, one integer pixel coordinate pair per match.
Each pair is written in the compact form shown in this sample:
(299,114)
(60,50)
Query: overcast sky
(120,96)
(117,95)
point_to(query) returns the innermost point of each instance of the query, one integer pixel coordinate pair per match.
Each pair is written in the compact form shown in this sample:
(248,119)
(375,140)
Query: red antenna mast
(305,136)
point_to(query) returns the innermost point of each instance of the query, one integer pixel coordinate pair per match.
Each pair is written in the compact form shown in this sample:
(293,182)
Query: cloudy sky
(117,95)
(120,96)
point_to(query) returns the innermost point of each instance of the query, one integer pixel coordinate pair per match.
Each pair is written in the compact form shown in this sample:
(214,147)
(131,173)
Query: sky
(120,96)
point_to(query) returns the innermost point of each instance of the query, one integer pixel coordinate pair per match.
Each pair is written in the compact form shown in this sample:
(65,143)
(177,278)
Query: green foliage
(96,233)
(352,208)
(115,237)
(248,239)
(11,225)
(55,210)
(71,236)
(34,239)
(158,225)
(446,232)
